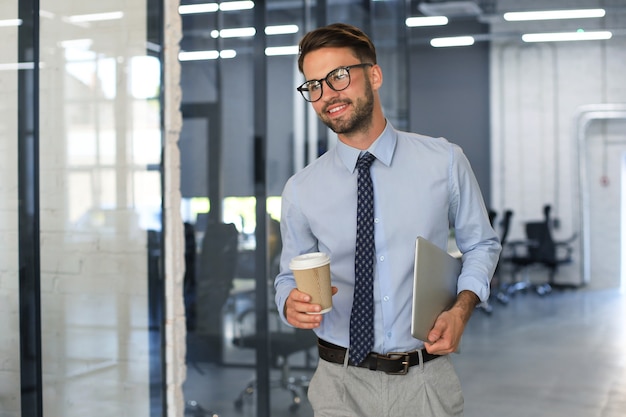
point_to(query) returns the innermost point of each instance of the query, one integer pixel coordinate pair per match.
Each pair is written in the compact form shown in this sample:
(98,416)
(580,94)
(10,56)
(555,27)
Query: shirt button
(376,220)
(386,298)
(389,335)
(382,258)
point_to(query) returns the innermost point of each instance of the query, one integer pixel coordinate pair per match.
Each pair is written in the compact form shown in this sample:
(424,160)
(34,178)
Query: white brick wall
(175,349)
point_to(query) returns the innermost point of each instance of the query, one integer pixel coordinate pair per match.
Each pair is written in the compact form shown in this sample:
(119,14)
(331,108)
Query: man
(422,186)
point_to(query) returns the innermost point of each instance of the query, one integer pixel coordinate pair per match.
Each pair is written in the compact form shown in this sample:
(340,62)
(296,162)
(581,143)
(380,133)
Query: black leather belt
(395,363)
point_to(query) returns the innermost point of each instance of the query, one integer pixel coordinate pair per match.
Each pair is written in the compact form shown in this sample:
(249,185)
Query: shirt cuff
(475,285)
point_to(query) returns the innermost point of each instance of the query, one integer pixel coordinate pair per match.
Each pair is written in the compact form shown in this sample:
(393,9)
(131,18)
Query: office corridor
(561,355)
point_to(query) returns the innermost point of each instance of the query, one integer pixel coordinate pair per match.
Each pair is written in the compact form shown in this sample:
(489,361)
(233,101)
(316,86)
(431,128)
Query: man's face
(347,111)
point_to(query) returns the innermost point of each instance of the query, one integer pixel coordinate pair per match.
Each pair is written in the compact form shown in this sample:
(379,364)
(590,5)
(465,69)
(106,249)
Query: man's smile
(336,108)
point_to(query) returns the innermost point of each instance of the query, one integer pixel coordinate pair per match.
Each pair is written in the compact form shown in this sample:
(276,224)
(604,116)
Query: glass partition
(221,154)
(9,268)
(219,205)
(100,206)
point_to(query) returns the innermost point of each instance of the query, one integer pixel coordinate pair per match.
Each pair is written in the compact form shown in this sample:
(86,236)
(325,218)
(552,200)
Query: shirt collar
(382,149)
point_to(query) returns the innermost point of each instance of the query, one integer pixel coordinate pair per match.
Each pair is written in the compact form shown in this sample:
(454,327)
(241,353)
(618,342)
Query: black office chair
(207,285)
(283,343)
(540,249)
(216,268)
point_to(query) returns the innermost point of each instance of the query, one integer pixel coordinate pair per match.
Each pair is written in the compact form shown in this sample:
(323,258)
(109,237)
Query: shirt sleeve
(474,235)
(297,239)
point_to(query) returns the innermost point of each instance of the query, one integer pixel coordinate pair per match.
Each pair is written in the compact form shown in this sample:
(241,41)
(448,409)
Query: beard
(361,117)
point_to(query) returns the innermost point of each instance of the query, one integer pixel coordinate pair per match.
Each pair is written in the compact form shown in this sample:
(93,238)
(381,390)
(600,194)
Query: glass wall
(100,188)
(9,276)
(241,359)
(80,209)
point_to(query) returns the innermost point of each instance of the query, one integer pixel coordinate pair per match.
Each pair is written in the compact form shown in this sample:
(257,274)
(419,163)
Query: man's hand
(300,312)
(445,335)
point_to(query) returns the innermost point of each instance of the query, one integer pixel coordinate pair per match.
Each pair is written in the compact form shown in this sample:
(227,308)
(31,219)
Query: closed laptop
(434,286)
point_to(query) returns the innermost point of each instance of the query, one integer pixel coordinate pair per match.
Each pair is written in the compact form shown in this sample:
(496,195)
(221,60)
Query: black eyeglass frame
(302,88)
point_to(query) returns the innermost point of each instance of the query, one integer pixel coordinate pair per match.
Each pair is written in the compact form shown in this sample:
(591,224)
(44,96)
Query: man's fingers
(297,295)
(300,312)
(439,339)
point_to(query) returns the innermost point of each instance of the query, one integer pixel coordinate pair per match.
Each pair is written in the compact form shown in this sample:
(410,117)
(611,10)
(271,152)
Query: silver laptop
(434,285)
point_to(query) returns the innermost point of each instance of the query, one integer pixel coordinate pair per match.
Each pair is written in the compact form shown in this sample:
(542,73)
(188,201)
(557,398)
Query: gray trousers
(428,390)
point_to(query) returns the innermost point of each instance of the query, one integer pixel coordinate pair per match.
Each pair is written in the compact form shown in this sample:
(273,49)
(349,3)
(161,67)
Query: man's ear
(376,77)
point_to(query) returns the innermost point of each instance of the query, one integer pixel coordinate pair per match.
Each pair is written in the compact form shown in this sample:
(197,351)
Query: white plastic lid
(309,260)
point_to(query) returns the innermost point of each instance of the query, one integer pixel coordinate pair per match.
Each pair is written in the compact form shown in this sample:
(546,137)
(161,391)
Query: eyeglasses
(338,80)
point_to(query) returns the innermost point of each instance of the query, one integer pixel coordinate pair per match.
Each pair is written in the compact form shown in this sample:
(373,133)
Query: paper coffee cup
(312,274)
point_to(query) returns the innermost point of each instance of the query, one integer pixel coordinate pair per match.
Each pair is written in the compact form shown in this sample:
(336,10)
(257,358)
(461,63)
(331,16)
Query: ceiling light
(553,14)
(214,7)
(197,55)
(17,66)
(206,55)
(452,41)
(198,8)
(46,14)
(228,53)
(281,29)
(281,50)
(426,21)
(236,5)
(84,44)
(566,36)
(10,22)
(95,17)
(237,32)
(250,31)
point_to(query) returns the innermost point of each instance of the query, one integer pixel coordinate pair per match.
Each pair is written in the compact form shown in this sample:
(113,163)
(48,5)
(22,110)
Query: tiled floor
(559,355)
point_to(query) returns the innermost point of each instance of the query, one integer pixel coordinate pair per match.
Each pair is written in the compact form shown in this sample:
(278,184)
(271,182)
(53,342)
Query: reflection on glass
(9,264)
(100,202)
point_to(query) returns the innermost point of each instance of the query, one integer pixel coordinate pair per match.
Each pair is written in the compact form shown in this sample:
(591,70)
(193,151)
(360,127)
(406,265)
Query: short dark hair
(338,35)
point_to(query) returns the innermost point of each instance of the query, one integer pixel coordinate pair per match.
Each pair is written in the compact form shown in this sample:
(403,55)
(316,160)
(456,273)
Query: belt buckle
(405,362)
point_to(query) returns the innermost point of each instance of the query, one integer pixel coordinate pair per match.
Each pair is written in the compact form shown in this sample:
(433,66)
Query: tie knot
(365,161)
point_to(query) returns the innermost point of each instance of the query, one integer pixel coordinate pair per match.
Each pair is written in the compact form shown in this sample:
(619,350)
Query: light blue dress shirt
(423,186)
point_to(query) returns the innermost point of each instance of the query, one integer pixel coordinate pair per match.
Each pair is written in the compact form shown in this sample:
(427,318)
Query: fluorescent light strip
(83,44)
(566,36)
(248,32)
(452,41)
(197,55)
(214,7)
(198,8)
(10,22)
(228,53)
(17,66)
(281,50)
(426,21)
(231,53)
(206,55)
(281,29)
(96,17)
(46,14)
(236,5)
(234,33)
(554,15)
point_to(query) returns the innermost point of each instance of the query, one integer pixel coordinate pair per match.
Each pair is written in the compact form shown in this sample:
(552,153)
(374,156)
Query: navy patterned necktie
(362,317)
